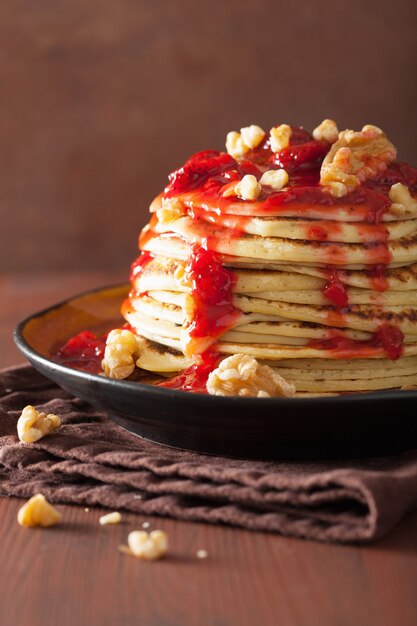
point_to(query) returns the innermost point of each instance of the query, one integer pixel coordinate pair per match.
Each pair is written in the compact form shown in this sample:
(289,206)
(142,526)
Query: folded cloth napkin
(89,460)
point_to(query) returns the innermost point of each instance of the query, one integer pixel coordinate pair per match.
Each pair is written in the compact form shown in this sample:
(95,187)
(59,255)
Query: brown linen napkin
(91,461)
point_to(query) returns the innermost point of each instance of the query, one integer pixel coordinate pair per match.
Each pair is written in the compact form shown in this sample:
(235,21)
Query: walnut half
(32,425)
(354,157)
(242,375)
(120,354)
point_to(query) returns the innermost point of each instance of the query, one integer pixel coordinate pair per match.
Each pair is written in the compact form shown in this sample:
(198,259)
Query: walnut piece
(234,144)
(252,136)
(32,425)
(170,210)
(110,518)
(246,189)
(277,179)
(355,157)
(38,512)
(326,131)
(403,203)
(241,375)
(280,137)
(237,144)
(146,546)
(120,354)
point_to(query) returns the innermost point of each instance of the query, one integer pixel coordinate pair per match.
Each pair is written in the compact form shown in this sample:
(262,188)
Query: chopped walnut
(234,145)
(246,189)
(170,210)
(110,518)
(146,546)
(280,137)
(32,425)
(355,157)
(277,179)
(38,512)
(252,136)
(237,144)
(326,131)
(241,375)
(120,354)
(403,203)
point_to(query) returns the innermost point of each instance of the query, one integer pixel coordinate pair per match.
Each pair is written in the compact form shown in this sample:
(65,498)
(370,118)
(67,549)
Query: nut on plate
(120,354)
(38,512)
(242,375)
(32,425)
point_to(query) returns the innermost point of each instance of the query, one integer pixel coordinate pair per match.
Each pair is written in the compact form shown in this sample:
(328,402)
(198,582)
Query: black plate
(278,428)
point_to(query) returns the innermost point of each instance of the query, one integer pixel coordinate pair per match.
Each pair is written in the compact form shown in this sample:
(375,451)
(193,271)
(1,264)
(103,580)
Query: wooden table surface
(74,575)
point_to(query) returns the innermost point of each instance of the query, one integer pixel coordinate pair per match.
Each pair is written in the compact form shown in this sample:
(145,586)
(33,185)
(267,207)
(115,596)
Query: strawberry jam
(137,266)
(194,378)
(309,154)
(214,312)
(335,291)
(378,278)
(197,170)
(388,339)
(84,351)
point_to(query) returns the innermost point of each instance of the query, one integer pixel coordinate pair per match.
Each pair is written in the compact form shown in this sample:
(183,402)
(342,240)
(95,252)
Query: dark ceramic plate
(321,428)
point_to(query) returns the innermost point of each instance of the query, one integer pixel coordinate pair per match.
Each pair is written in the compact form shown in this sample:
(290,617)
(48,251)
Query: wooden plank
(74,574)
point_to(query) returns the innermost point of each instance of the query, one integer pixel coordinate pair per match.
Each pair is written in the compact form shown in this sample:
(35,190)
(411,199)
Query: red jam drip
(194,378)
(212,286)
(388,339)
(137,266)
(235,224)
(84,351)
(378,277)
(317,233)
(334,290)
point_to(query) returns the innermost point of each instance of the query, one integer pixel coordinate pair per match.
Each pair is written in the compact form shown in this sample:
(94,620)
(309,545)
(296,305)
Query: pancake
(312,230)
(403,250)
(170,306)
(166,273)
(253,252)
(303,257)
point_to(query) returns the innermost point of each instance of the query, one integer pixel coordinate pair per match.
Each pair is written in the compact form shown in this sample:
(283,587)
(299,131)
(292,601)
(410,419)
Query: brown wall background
(100,99)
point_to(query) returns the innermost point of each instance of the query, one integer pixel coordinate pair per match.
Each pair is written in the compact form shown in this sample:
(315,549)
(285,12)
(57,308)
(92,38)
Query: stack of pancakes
(323,288)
